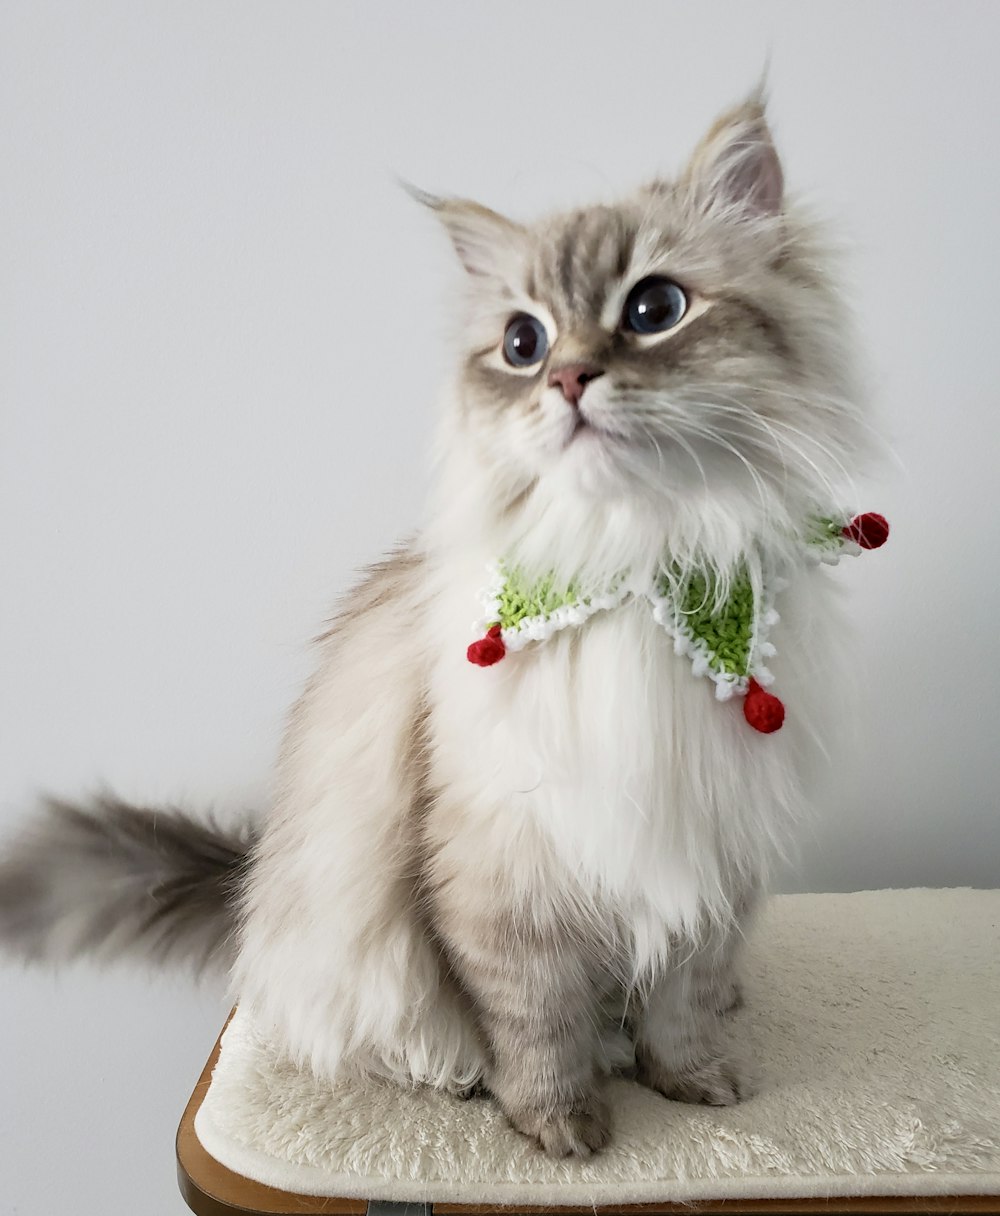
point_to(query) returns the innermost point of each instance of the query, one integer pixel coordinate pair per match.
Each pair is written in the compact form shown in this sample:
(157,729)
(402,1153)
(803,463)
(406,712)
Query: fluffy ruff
(872,1018)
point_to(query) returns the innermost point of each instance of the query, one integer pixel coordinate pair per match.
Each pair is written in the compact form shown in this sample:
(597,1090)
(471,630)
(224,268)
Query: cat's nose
(573,379)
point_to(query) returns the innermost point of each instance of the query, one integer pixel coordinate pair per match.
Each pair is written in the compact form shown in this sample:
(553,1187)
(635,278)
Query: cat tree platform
(874,1023)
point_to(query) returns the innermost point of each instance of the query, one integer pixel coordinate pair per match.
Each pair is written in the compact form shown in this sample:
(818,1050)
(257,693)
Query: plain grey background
(223,326)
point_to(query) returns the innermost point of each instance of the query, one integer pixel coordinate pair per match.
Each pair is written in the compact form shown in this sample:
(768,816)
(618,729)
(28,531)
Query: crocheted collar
(723,629)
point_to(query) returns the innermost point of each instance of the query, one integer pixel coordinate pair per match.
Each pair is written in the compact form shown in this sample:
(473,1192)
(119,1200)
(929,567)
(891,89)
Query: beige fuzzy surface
(873,1020)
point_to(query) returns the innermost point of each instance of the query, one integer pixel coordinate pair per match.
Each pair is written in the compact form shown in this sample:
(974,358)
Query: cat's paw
(717,1081)
(466,1093)
(581,1130)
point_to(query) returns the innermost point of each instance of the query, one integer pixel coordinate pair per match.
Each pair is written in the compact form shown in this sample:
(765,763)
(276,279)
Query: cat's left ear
(735,169)
(484,240)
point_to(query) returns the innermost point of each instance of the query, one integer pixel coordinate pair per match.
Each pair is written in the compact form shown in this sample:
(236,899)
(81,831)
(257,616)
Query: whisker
(652,410)
(747,416)
(713,437)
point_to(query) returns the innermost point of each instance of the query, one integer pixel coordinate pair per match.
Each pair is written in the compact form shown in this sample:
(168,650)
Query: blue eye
(654,305)
(525,341)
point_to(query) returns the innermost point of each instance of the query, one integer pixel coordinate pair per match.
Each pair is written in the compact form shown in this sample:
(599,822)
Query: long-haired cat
(472,872)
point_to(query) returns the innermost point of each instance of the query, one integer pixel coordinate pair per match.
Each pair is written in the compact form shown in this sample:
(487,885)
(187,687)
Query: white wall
(221,335)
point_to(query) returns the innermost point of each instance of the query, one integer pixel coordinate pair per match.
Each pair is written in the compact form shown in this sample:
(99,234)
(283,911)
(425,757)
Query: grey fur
(113,879)
(547,976)
(537,979)
(679,1026)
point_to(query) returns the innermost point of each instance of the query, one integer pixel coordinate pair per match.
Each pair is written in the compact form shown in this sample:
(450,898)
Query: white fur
(662,802)
(333,956)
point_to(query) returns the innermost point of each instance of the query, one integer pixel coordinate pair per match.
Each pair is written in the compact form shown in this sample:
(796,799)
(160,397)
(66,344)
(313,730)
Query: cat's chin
(590,464)
(603,467)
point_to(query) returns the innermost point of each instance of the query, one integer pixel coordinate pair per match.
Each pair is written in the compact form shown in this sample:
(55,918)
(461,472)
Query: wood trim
(210,1189)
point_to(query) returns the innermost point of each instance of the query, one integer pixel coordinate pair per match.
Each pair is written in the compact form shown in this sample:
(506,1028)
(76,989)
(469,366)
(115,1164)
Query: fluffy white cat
(474,871)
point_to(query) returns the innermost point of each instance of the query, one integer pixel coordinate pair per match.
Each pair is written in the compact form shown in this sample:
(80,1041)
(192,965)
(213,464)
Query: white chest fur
(654,795)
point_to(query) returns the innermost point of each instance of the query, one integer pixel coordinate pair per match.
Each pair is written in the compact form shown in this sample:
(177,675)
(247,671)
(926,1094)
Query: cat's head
(681,348)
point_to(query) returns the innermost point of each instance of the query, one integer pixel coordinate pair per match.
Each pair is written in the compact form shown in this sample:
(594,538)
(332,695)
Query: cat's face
(684,341)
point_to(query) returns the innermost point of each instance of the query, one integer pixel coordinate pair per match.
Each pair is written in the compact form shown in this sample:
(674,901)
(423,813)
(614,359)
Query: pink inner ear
(736,169)
(755,180)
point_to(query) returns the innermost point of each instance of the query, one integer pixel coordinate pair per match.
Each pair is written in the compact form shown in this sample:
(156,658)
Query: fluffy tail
(112,879)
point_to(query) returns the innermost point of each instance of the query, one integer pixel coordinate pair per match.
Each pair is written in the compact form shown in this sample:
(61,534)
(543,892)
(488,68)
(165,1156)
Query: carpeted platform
(874,1023)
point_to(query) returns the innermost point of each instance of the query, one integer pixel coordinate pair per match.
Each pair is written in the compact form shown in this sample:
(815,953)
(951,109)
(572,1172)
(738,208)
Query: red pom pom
(762,710)
(870,530)
(487,650)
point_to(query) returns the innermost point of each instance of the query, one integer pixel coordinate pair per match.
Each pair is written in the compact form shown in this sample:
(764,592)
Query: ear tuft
(482,238)
(736,168)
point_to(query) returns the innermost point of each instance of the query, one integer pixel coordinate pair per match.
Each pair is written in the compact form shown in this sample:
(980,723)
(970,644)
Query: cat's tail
(110,879)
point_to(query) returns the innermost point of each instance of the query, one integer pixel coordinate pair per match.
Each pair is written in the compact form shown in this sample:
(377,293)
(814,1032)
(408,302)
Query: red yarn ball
(487,650)
(762,709)
(870,530)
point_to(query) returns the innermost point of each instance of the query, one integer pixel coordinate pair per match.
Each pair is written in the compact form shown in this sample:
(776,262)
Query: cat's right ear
(484,240)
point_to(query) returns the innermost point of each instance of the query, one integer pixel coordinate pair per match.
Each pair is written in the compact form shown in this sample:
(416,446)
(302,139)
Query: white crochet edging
(696,649)
(829,554)
(540,628)
(830,550)
(667,616)
(727,684)
(766,618)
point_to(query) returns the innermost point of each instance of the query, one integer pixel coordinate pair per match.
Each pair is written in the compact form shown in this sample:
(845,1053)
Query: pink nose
(573,379)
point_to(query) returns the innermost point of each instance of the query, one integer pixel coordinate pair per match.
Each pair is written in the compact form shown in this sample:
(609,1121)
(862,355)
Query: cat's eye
(525,341)
(654,304)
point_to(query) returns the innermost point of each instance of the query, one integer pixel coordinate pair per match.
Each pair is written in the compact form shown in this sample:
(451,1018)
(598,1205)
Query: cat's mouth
(582,425)
(586,429)
(580,429)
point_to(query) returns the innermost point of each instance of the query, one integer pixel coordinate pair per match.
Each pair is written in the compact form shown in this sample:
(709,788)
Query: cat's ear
(484,240)
(735,169)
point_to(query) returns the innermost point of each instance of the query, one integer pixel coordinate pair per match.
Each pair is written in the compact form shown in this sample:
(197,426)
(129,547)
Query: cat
(473,873)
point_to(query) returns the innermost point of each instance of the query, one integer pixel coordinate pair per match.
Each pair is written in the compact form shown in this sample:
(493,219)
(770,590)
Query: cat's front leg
(538,1012)
(719,982)
(681,1043)
(531,981)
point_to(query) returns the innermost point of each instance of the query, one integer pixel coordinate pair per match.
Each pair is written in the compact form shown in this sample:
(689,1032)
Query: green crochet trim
(721,626)
(825,532)
(722,633)
(724,630)
(518,600)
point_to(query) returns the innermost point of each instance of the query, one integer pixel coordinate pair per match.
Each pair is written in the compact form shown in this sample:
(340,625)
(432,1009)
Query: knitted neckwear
(722,628)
